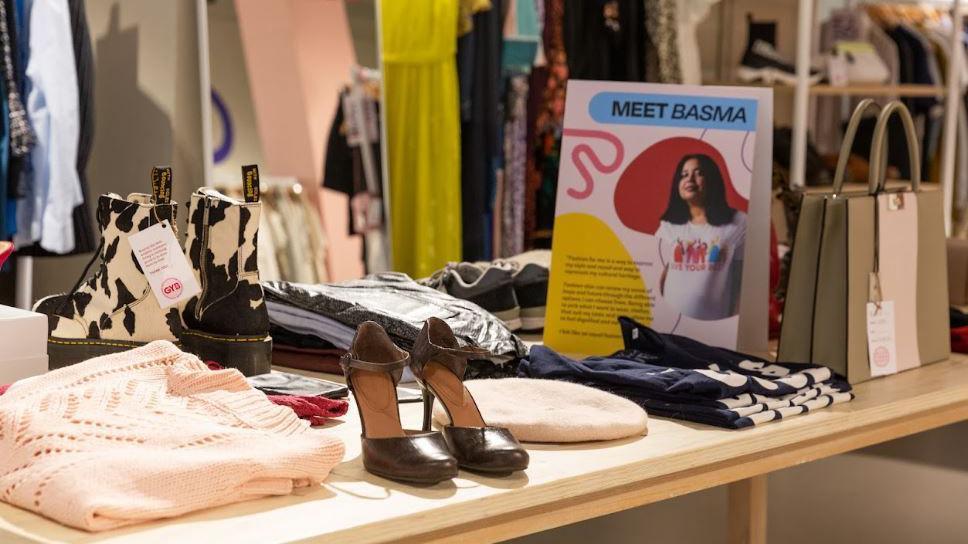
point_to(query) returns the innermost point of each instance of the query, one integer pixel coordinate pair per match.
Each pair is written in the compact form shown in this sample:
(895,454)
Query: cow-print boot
(227,322)
(113,309)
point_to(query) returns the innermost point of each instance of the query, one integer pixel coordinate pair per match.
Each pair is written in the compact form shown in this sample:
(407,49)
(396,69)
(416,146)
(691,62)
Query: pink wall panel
(299,53)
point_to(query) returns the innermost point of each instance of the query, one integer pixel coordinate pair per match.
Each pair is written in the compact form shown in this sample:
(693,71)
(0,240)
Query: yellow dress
(423,132)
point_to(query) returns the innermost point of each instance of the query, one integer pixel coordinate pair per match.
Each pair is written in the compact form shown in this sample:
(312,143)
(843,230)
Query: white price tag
(881,345)
(164,264)
(837,71)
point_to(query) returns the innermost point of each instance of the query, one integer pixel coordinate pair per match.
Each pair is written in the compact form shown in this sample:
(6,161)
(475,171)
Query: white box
(23,344)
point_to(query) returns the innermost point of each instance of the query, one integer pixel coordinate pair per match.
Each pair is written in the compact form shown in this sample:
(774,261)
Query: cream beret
(553,411)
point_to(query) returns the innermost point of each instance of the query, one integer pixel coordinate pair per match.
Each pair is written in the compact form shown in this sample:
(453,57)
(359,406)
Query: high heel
(373,368)
(428,408)
(439,363)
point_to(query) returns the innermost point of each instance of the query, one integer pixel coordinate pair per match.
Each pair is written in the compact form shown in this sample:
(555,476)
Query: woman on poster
(706,237)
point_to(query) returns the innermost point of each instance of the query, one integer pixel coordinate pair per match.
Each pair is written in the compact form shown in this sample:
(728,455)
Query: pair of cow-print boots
(114,309)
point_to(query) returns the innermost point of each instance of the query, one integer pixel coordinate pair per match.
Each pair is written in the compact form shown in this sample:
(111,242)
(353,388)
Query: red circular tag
(171,288)
(882,356)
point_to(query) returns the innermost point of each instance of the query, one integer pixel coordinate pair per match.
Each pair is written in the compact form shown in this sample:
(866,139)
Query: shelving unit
(802,92)
(854,90)
(876,90)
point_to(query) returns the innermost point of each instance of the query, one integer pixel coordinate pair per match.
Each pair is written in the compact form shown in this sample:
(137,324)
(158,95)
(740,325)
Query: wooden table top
(564,484)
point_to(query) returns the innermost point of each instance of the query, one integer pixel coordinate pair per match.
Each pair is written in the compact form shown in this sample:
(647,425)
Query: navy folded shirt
(675,376)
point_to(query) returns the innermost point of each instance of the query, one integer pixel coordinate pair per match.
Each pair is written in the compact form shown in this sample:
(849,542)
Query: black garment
(284,383)
(816,173)
(343,170)
(284,337)
(84,237)
(914,69)
(897,155)
(605,39)
(479,70)
(958,318)
(674,376)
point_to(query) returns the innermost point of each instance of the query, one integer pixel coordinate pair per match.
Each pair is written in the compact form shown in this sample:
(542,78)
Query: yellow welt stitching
(191,333)
(88,343)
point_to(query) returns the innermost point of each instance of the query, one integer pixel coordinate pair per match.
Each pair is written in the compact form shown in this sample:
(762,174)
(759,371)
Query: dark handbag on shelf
(855,248)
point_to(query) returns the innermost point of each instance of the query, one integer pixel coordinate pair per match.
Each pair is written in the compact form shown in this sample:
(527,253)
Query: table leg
(747,511)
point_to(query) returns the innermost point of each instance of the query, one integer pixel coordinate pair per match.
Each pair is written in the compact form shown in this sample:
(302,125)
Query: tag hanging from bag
(881,340)
(164,264)
(250,182)
(161,184)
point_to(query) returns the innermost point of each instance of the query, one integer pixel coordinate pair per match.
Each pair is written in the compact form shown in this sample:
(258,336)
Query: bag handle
(848,142)
(878,162)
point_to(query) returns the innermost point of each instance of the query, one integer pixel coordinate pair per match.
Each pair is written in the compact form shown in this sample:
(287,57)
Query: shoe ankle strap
(454,357)
(394,368)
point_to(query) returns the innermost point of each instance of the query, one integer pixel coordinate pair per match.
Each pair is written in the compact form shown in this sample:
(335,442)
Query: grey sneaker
(531,289)
(490,287)
(530,277)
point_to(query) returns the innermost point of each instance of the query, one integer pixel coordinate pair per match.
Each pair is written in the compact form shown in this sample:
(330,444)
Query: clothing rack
(24,287)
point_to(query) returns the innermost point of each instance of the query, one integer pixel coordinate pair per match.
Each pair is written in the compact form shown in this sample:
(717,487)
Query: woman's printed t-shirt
(699,282)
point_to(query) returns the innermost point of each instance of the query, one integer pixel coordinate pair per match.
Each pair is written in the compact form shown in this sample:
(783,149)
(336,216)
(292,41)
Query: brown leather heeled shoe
(373,368)
(439,363)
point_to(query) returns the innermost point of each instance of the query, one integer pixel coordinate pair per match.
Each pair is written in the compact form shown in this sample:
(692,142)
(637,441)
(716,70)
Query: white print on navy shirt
(700,277)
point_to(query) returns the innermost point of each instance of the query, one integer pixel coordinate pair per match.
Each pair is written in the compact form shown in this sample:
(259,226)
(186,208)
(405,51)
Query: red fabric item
(6,249)
(317,410)
(959,340)
(4,387)
(775,307)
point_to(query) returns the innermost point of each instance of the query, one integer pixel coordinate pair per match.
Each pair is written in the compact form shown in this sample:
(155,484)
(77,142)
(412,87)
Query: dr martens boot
(114,309)
(227,322)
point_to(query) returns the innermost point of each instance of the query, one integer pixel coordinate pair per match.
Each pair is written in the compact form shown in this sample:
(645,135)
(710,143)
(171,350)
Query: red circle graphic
(642,191)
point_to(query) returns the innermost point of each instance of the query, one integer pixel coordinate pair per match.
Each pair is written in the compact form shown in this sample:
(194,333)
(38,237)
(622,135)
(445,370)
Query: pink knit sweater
(146,434)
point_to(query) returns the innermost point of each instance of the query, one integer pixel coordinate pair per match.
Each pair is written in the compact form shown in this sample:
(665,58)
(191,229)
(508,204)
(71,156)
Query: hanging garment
(662,48)
(515,167)
(423,139)
(532,177)
(45,215)
(466,11)
(84,238)
(689,13)
(479,63)
(19,174)
(543,181)
(7,214)
(605,40)
(22,136)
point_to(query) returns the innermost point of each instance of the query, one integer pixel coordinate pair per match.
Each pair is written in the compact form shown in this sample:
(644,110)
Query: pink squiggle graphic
(587,151)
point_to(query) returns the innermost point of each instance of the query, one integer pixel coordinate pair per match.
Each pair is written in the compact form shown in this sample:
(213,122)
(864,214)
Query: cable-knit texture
(146,434)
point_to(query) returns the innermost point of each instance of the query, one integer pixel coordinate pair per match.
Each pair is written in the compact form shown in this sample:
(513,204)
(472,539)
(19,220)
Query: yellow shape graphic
(593,281)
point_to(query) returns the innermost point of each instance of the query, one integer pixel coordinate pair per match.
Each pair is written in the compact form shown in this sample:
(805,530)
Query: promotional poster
(662,215)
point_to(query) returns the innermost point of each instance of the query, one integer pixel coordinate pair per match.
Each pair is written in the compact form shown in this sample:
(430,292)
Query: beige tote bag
(854,248)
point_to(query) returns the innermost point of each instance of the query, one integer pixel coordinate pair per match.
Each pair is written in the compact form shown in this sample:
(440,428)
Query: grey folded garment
(333,310)
(305,322)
